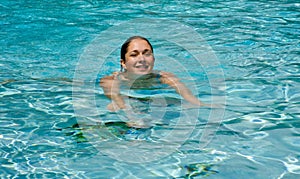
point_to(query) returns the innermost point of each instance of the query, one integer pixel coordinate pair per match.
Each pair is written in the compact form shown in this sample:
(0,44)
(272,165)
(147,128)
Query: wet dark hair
(125,45)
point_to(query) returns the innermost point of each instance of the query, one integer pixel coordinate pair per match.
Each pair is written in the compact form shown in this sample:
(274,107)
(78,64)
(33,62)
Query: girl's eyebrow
(146,50)
(136,51)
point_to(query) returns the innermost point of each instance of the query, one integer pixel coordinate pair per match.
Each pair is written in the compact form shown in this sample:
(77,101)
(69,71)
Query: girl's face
(139,58)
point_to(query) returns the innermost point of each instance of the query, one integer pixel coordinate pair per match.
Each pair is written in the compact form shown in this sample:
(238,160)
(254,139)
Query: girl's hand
(113,107)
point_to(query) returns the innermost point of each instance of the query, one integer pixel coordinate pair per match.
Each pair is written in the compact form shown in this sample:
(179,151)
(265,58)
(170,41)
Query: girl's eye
(133,55)
(148,54)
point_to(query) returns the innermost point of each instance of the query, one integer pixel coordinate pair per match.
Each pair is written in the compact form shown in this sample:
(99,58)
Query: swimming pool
(256,43)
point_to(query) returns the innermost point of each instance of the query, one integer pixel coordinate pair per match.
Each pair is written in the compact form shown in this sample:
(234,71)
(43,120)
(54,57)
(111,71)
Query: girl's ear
(123,65)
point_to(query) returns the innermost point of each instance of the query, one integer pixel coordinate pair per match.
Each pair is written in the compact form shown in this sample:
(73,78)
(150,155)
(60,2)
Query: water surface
(256,42)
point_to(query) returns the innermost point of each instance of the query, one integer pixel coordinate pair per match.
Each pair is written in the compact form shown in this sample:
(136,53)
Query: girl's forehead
(138,44)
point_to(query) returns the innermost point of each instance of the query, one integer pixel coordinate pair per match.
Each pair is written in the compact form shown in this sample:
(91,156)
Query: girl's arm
(111,88)
(173,81)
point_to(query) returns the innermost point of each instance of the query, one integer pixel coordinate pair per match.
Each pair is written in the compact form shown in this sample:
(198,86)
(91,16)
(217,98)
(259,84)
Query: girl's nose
(141,57)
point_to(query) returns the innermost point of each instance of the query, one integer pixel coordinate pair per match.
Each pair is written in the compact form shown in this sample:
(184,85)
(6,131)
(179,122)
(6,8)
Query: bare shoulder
(164,74)
(107,81)
(168,78)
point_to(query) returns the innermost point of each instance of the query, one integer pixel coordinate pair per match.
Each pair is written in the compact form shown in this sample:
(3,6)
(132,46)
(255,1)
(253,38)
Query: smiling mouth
(142,67)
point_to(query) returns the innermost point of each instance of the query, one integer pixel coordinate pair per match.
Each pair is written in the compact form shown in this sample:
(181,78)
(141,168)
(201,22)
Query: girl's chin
(139,73)
(142,72)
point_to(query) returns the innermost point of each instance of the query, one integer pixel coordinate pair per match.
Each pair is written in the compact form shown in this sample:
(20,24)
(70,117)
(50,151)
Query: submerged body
(137,63)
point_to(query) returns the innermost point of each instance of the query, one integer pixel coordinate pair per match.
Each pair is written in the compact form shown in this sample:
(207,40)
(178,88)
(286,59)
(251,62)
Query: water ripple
(256,42)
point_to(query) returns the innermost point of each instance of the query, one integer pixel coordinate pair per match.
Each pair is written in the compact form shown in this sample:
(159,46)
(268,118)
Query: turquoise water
(257,45)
